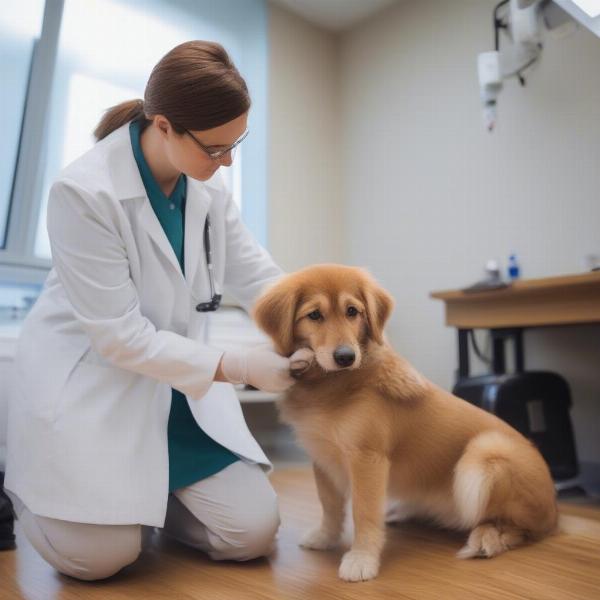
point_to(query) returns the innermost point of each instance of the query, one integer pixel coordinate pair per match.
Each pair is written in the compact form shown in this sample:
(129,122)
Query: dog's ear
(379,305)
(274,313)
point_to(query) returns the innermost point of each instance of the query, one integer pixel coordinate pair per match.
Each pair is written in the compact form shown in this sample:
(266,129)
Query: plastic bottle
(514,270)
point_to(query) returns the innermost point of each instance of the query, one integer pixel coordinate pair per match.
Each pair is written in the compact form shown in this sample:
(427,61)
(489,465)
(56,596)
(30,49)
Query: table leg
(463,353)
(498,358)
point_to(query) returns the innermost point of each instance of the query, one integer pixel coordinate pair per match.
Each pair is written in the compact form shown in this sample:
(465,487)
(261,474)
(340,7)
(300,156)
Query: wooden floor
(418,563)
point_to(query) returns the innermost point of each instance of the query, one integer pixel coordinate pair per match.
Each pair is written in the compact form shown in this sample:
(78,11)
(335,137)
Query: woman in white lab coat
(122,416)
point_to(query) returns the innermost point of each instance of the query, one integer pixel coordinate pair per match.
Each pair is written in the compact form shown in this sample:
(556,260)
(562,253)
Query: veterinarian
(122,416)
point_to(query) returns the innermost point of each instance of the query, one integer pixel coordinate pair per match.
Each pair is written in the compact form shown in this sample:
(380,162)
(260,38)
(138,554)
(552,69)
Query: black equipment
(535,403)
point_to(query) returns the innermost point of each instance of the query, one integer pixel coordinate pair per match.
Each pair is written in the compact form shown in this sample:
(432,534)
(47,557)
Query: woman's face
(188,157)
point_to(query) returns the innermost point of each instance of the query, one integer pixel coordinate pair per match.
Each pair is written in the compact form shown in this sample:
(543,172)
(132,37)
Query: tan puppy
(375,429)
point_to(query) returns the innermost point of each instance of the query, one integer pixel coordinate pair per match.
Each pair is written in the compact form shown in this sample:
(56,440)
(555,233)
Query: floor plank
(418,564)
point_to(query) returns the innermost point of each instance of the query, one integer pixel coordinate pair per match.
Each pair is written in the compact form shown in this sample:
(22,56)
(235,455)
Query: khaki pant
(232,515)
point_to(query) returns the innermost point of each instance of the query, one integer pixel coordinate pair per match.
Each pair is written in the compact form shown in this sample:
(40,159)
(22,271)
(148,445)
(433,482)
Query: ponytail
(117,116)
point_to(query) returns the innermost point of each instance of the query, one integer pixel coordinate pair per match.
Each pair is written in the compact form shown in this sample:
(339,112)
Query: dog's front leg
(369,478)
(333,502)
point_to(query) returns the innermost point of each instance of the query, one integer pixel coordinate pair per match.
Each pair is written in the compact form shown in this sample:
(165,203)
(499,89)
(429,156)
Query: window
(101,52)
(20,26)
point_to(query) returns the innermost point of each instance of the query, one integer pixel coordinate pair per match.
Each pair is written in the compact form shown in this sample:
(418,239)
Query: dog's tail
(474,479)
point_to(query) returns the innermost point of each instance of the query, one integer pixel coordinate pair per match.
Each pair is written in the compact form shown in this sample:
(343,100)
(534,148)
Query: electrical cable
(478,352)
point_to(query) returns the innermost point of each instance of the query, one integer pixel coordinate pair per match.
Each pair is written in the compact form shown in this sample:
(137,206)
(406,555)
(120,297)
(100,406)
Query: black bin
(535,403)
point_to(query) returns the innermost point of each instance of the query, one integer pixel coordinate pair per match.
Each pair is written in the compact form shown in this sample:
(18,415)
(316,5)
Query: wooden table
(565,300)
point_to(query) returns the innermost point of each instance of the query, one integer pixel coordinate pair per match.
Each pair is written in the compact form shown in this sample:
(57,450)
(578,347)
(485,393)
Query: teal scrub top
(193,455)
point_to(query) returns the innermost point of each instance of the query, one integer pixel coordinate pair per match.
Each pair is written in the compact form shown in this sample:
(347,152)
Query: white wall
(429,195)
(304,163)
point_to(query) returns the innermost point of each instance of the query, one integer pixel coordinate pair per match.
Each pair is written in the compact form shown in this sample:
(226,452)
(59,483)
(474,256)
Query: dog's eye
(315,315)
(351,311)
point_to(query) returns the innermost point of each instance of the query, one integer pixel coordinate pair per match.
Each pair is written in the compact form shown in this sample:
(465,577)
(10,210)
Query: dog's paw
(318,539)
(486,541)
(358,566)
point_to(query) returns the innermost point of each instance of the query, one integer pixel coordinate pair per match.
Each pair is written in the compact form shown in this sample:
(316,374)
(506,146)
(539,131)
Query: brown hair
(195,86)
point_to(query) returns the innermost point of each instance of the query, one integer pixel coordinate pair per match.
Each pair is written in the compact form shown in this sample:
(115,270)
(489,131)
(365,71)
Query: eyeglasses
(217,154)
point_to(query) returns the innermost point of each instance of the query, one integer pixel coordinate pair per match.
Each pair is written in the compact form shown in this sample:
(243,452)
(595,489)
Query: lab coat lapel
(149,221)
(196,208)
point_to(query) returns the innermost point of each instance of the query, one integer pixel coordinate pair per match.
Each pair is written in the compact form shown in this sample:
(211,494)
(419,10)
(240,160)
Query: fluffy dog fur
(378,430)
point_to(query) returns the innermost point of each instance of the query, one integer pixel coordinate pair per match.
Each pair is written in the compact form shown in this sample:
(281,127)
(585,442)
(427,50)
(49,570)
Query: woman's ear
(274,313)
(379,305)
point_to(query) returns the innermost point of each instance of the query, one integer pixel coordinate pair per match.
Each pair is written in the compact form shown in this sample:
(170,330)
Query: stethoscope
(215,300)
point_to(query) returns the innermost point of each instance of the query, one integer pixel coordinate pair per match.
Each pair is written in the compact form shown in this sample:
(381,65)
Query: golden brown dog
(375,429)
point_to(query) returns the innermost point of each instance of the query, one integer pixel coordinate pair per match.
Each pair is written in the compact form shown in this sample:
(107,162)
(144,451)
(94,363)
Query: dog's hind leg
(503,493)
(476,489)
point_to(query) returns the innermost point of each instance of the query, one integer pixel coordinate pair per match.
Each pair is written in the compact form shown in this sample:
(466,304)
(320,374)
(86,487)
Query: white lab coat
(113,330)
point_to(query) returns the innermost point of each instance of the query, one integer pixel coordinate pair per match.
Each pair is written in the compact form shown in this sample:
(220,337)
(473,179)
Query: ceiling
(335,15)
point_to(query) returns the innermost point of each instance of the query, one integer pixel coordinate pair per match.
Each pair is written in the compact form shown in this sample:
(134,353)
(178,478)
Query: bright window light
(88,97)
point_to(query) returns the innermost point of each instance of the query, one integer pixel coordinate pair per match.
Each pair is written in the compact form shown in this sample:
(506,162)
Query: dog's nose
(344,356)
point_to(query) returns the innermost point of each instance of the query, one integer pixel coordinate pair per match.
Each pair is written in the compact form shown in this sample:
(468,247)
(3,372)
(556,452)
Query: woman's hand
(262,368)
